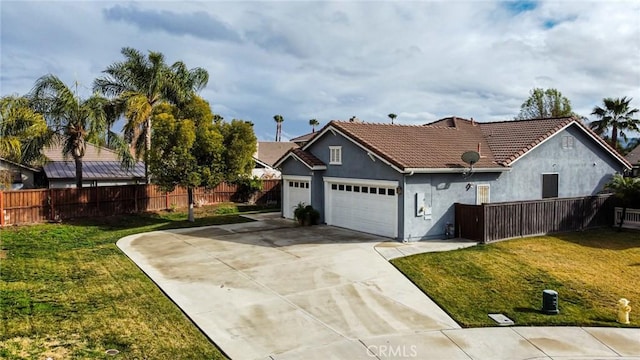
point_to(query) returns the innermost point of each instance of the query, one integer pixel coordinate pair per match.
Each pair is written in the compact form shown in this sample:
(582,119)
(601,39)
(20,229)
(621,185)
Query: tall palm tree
(74,120)
(140,83)
(392,116)
(313,123)
(23,131)
(278,119)
(616,115)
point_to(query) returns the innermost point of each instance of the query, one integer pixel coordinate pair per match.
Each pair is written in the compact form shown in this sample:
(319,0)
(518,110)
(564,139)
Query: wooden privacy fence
(41,205)
(497,221)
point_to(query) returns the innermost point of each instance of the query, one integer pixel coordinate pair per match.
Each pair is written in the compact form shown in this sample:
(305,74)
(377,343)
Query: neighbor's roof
(92,153)
(18,165)
(93,170)
(634,156)
(304,138)
(270,151)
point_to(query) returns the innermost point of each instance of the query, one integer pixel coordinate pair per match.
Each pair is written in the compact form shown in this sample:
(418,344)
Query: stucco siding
(582,170)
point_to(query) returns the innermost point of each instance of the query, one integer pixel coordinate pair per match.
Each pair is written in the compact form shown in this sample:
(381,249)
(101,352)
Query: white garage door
(363,205)
(296,189)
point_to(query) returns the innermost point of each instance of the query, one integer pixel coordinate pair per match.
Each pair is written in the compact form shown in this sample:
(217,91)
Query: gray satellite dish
(470,157)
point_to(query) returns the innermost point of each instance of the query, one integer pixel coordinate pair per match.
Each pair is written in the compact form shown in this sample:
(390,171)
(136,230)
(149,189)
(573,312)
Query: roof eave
(454,170)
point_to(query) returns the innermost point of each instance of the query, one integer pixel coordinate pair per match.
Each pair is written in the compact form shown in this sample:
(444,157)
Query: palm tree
(627,189)
(616,115)
(23,132)
(278,119)
(313,123)
(75,121)
(139,84)
(392,116)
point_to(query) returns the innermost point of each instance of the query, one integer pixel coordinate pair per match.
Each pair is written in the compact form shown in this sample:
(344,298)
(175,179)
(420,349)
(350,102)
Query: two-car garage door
(363,205)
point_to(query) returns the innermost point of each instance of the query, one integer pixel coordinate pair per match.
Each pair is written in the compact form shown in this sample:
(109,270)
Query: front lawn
(67,292)
(590,271)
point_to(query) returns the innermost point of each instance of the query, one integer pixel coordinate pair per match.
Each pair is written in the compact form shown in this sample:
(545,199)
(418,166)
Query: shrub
(306,214)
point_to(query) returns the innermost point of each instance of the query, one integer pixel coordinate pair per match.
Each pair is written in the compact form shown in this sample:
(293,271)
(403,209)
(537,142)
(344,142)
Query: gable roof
(269,152)
(304,138)
(18,165)
(307,158)
(438,146)
(634,156)
(93,170)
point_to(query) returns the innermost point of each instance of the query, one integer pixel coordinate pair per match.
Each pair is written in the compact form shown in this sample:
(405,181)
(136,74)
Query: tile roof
(437,146)
(93,170)
(634,156)
(270,151)
(307,157)
(304,138)
(92,153)
(509,140)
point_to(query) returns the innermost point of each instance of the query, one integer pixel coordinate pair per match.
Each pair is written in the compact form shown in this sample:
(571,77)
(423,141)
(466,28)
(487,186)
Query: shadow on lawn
(604,238)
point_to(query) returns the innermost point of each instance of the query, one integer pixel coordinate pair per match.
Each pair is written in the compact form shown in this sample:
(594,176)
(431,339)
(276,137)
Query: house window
(335,155)
(483,194)
(568,142)
(549,186)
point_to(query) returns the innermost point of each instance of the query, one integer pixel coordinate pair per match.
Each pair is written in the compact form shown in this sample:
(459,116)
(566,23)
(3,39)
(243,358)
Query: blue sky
(422,60)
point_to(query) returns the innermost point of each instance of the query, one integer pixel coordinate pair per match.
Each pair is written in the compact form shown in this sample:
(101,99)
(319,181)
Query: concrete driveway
(268,289)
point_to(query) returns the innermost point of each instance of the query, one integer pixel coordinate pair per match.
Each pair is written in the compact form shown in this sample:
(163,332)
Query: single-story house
(14,176)
(100,167)
(401,181)
(634,158)
(267,153)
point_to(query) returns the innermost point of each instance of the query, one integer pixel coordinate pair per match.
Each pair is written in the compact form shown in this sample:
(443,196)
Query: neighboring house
(100,167)
(267,153)
(14,176)
(634,158)
(402,181)
(304,139)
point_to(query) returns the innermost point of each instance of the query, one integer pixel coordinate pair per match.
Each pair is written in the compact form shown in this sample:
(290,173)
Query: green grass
(590,270)
(67,292)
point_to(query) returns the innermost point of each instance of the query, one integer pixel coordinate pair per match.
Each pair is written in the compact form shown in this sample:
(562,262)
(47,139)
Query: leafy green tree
(617,115)
(392,116)
(627,189)
(240,145)
(313,123)
(545,104)
(23,131)
(139,84)
(279,120)
(73,120)
(187,149)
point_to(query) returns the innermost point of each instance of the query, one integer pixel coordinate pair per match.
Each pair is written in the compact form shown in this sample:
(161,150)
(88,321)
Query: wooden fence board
(41,205)
(497,221)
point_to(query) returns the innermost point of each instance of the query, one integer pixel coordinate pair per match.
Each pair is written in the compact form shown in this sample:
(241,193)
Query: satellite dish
(470,157)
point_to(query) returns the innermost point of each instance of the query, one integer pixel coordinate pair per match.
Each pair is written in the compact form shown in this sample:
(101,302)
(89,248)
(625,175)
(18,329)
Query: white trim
(338,150)
(297,158)
(584,130)
(352,181)
(296,178)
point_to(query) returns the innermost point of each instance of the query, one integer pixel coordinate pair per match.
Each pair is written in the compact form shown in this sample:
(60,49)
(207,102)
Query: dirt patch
(3,254)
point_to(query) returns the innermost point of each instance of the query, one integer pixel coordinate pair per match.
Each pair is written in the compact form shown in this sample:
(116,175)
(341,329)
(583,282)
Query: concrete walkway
(270,290)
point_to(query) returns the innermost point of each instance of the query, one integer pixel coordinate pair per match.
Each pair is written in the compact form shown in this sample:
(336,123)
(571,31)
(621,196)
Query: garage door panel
(295,192)
(368,211)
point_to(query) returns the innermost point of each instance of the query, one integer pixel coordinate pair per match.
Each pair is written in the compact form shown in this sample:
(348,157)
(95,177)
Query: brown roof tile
(307,157)
(430,146)
(634,156)
(270,151)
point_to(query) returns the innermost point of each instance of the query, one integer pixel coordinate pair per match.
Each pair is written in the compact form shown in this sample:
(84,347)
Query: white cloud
(334,60)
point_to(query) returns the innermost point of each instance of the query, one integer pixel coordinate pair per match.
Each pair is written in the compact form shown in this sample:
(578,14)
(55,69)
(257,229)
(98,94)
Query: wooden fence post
(1,208)
(166,201)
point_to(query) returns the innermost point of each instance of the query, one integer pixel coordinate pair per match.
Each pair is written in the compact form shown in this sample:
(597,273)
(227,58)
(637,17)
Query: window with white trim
(568,142)
(483,194)
(335,155)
